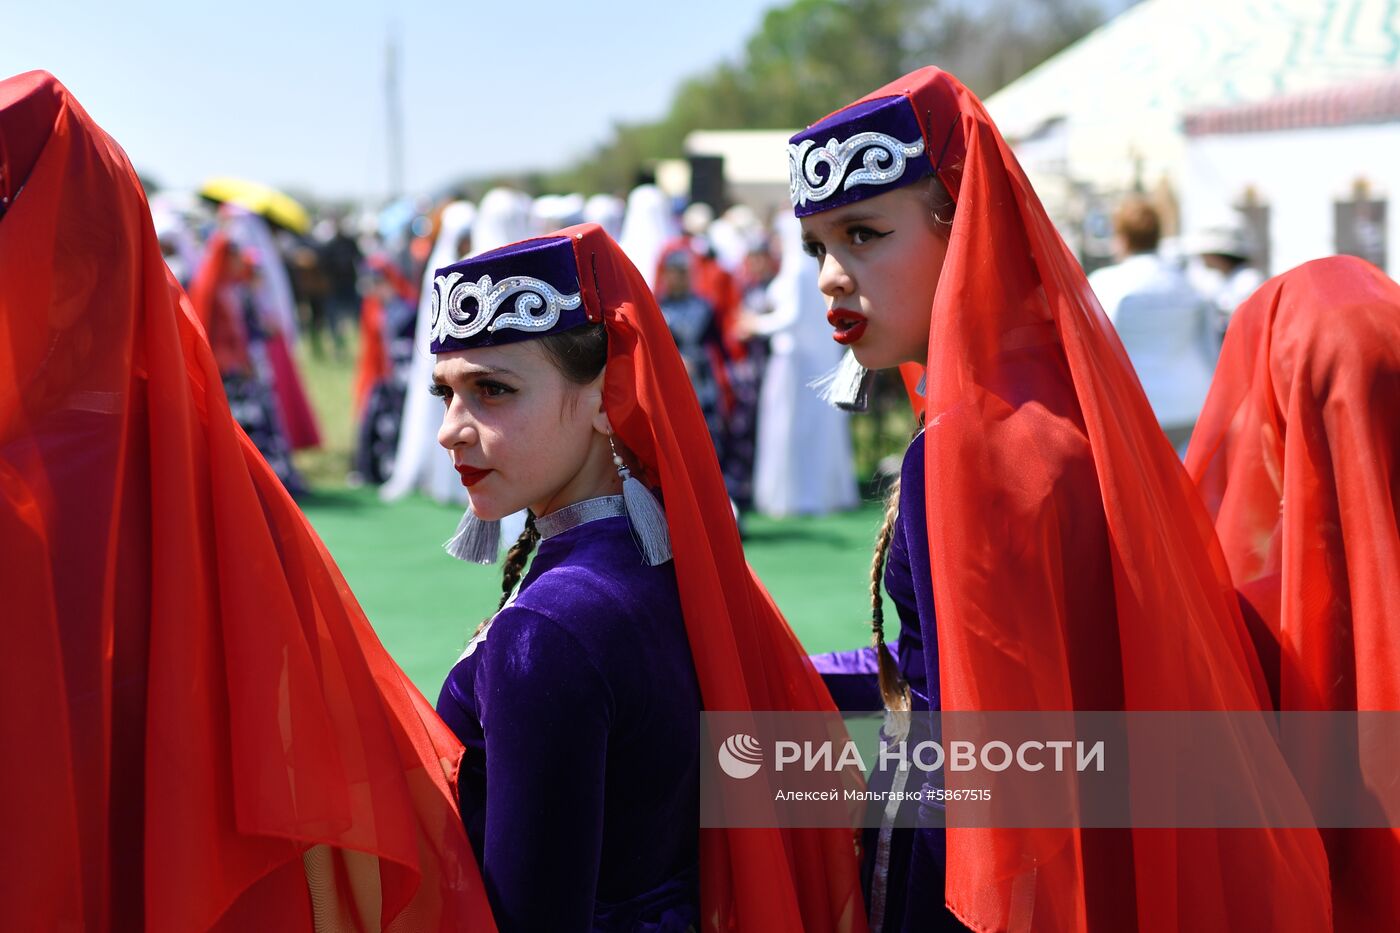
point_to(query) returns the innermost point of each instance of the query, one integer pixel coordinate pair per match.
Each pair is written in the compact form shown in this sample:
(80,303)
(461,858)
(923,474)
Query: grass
(328,382)
(425,605)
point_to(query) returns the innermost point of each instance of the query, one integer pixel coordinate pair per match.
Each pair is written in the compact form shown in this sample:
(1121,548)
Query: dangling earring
(644,513)
(476,539)
(847,387)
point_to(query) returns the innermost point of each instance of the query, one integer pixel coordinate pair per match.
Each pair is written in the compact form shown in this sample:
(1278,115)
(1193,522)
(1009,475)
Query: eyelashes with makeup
(859,236)
(488,388)
(492,389)
(866,234)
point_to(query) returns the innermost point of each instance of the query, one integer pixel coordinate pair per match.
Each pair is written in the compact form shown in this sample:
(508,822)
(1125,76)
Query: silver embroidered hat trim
(882,162)
(580,513)
(536,308)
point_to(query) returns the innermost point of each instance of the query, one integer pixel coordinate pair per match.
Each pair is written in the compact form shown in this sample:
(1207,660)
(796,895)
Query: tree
(813,55)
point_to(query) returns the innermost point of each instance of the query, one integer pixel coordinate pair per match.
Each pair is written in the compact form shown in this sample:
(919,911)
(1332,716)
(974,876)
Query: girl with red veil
(1046,550)
(225,300)
(1296,454)
(202,731)
(580,698)
(387,318)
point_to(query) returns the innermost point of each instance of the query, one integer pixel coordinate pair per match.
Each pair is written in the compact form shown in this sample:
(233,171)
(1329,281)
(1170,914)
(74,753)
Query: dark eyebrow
(478,372)
(841,218)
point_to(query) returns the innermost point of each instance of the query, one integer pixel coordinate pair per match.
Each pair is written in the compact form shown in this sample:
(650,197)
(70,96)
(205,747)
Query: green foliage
(811,56)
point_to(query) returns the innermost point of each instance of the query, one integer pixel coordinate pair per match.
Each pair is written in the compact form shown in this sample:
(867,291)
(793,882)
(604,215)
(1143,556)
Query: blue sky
(291,93)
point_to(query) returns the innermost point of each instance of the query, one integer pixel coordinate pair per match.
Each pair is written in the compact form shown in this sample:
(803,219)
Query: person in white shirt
(1220,270)
(1163,321)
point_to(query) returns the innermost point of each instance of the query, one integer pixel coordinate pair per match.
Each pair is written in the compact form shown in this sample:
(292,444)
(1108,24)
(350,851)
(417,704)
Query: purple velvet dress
(901,873)
(580,711)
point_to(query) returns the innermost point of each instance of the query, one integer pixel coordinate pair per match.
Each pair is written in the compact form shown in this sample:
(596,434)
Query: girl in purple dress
(579,700)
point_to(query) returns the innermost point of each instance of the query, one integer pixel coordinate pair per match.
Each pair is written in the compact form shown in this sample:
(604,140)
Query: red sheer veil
(202,729)
(1297,454)
(1073,565)
(746,656)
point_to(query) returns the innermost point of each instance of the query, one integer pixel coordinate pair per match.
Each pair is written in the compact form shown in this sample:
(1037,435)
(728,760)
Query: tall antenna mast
(395,113)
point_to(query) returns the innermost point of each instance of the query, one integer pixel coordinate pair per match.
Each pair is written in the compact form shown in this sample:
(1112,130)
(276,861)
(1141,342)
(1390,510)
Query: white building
(1105,116)
(1314,172)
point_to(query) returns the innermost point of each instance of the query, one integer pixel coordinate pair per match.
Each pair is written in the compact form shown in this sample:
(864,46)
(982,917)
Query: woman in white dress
(803,465)
(503,217)
(647,226)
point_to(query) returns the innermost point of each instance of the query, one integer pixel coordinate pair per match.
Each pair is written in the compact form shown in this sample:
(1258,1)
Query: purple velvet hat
(518,292)
(856,153)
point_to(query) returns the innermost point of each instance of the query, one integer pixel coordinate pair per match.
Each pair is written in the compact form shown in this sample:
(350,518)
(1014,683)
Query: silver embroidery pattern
(883,161)
(536,309)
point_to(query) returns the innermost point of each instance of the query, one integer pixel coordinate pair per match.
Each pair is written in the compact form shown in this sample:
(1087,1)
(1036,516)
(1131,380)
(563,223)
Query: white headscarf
(555,211)
(274,296)
(418,463)
(646,229)
(803,463)
(503,217)
(606,211)
(797,324)
(733,235)
(173,227)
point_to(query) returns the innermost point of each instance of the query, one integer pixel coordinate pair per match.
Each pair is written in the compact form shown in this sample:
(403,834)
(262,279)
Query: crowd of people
(207,733)
(731,291)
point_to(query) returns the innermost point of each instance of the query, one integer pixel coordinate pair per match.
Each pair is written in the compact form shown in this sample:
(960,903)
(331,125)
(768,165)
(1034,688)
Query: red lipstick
(470,475)
(850,325)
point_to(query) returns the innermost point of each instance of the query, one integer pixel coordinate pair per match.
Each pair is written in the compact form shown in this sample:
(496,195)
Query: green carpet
(425,605)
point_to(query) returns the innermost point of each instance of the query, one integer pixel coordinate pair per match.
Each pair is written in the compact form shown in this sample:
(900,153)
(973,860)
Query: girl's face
(520,433)
(675,280)
(880,259)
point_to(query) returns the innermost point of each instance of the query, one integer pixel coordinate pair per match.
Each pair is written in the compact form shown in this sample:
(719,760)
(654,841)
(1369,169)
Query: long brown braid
(894,690)
(516,557)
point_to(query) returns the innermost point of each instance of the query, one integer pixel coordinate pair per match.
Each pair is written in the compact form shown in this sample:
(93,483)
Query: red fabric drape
(293,404)
(228,336)
(373,364)
(1073,565)
(1297,454)
(746,656)
(222,322)
(202,730)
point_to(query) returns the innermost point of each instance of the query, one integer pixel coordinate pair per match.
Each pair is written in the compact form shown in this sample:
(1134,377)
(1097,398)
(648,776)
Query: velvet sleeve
(852,677)
(909,582)
(546,712)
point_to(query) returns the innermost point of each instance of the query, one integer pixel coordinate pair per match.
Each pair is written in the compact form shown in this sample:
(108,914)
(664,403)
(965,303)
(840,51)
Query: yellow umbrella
(277,207)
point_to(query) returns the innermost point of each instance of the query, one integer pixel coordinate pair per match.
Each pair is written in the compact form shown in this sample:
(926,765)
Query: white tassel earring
(644,513)
(475,540)
(846,387)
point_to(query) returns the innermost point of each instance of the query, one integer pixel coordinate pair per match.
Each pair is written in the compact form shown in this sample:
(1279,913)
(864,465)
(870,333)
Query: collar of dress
(580,513)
